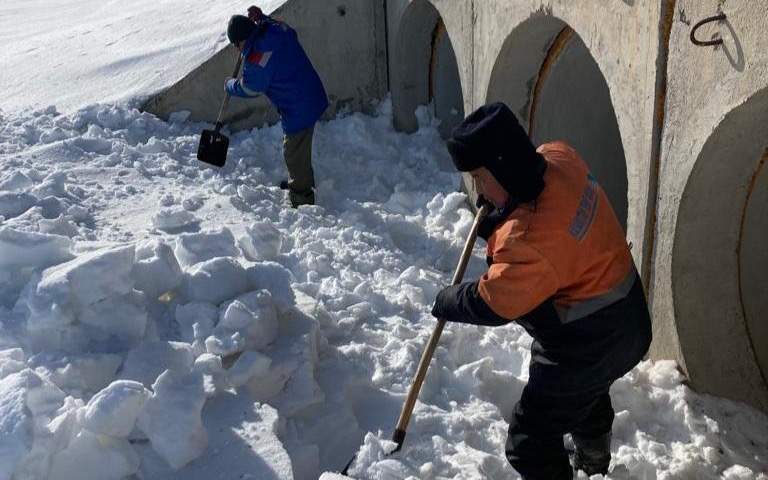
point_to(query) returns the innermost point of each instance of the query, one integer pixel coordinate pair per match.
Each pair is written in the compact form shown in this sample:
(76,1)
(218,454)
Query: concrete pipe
(547,75)
(425,70)
(720,259)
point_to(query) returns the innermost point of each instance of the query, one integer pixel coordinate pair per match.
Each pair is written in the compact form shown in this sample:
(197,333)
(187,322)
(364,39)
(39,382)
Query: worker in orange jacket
(559,265)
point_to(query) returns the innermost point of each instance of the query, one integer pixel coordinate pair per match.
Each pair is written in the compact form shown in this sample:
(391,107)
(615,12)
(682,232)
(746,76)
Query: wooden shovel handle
(426,356)
(225,103)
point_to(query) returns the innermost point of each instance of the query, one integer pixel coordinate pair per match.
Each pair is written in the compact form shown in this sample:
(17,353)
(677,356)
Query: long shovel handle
(413,394)
(225,103)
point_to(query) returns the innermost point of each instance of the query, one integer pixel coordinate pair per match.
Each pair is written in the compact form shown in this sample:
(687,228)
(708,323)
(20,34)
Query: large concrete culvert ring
(425,70)
(548,76)
(720,259)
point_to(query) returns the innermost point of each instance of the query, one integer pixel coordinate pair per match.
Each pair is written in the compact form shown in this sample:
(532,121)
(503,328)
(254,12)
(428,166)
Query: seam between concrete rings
(553,53)
(659,117)
(750,190)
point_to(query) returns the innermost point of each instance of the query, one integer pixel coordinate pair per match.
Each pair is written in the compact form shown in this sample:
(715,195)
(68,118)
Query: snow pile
(162,319)
(91,51)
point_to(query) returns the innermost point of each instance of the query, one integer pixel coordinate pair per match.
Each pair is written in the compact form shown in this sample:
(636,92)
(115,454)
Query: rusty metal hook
(707,43)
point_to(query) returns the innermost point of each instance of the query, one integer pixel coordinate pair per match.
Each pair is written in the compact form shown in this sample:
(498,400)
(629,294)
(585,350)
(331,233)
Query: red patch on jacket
(259,58)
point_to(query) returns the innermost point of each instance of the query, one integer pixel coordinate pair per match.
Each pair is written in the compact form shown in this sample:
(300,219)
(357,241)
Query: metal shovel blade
(213,148)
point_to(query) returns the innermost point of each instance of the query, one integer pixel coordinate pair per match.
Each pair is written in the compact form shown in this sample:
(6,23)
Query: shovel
(214,144)
(413,393)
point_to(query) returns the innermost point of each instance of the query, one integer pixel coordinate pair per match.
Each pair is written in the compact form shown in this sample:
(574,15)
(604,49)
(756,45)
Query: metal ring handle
(707,43)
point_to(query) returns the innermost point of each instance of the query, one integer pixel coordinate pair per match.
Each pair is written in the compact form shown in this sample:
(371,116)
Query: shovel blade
(213,148)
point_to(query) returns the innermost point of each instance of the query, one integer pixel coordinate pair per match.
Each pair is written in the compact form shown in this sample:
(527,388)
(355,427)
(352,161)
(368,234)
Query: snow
(162,319)
(171,417)
(106,51)
(113,411)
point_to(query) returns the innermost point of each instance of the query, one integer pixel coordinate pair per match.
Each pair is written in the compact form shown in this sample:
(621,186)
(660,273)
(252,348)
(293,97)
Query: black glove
(481,200)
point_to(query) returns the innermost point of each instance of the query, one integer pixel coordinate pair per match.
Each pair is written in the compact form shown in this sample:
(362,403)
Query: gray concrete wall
(656,118)
(711,230)
(345,42)
(424,62)
(501,47)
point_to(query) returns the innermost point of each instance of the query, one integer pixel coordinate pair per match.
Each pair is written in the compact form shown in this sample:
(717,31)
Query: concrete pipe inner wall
(720,259)
(548,76)
(426,71)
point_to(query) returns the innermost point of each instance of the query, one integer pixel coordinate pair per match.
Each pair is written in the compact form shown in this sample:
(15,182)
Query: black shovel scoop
(214,144)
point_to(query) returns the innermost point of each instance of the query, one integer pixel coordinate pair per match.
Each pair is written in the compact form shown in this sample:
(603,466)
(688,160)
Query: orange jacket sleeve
(519,280)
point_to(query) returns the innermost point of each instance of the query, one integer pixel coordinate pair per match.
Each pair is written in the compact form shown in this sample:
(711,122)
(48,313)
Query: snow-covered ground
(160,319)
(74,52)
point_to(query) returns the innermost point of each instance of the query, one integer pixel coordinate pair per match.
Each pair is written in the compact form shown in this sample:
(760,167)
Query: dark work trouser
(297,151)
(535,439)
(567,390)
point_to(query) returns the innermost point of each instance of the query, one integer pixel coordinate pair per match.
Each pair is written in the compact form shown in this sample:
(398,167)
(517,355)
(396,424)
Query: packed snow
(266,342)
(160,319)
(82,51)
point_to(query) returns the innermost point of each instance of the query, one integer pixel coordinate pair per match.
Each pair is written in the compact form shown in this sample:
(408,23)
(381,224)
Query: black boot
(301,198)
(593,455)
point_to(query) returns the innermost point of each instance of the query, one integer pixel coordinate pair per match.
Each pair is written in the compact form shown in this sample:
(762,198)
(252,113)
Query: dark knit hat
(240,28)
(491,137)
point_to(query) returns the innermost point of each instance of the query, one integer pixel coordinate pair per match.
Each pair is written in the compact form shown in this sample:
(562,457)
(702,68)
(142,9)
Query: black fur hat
(491,137)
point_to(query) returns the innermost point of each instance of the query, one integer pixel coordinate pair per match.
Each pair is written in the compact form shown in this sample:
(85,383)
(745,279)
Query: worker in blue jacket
(276,65)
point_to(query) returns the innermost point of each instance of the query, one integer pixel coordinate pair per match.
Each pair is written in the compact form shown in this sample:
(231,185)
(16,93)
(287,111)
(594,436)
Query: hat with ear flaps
(491,137)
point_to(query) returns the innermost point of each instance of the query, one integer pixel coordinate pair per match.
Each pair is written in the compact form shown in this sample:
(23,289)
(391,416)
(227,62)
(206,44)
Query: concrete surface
(709,281)
(621,81)
(344,40)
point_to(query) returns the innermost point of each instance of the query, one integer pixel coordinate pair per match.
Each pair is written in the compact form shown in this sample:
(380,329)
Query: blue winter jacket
(276,65)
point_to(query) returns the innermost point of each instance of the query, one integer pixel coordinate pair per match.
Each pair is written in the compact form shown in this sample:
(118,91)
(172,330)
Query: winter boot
(301,198)
(593,455)
(284,184)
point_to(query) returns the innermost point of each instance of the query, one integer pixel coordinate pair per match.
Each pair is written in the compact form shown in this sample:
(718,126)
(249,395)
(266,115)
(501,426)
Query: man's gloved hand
(229,85)
(481,200)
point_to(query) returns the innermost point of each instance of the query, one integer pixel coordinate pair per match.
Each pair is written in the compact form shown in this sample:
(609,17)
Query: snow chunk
(196,320)
(150,359)
(78,374)
(171,418)
(16,181)
(170,219)
(63,291)
(15,422)
(14,204)
(119,322)
(95,456)
(275,278)
(113,411)
(30,249)
(156,270)
(11,361)
(247,366)
(213,373)
(262,242)
(193,248)
(253,315)
(216,280)
(88,279)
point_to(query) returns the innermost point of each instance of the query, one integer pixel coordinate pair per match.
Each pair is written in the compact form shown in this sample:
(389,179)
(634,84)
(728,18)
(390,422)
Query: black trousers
(535,438)
(572,369)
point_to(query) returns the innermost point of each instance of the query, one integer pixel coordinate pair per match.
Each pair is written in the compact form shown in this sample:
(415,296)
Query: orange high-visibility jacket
(568,245)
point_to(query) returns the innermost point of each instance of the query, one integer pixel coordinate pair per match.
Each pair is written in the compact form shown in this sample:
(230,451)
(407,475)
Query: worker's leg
(592,437)
(298,158)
